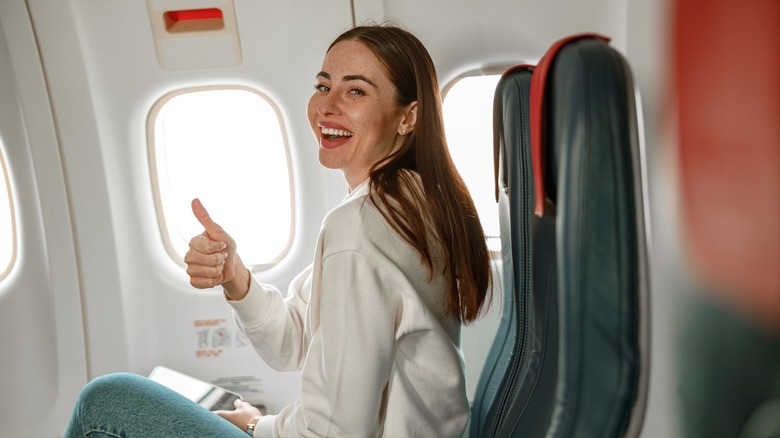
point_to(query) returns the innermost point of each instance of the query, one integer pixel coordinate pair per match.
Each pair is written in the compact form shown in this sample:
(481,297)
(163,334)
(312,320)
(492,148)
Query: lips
(336,132)
(332,136)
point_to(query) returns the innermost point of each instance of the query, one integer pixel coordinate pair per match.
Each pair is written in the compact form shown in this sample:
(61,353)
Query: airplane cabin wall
(648,30)
(43,362)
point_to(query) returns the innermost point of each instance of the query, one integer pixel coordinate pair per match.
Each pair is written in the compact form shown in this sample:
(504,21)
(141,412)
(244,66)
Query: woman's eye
(322,88)
(356,91)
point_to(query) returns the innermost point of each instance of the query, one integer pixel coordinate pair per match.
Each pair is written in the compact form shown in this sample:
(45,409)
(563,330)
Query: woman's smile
(333,136)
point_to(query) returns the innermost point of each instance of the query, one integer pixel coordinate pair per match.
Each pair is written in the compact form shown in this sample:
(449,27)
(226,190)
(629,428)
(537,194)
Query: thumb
(203,217)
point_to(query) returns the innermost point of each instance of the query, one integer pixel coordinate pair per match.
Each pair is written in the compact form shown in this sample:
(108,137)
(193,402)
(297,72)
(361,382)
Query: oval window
(225,146)
(468,122)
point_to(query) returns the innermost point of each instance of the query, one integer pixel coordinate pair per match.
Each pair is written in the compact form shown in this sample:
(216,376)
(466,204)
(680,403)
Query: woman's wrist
(250,427)
(237,288)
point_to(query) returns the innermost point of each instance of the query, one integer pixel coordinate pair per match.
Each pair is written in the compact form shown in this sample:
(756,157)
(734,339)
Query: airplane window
(7,238)
(468,121)
(227,147)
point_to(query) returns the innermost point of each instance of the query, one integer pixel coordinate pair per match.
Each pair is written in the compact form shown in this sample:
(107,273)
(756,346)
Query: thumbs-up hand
(212,259)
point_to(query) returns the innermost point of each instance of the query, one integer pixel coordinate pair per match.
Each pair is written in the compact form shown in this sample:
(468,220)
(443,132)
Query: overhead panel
(195,34)
(368,11)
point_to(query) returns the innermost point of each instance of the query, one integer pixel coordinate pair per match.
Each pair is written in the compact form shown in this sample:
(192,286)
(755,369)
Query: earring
(403,131)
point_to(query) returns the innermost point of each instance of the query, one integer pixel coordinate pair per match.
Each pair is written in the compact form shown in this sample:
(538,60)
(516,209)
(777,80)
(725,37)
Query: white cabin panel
(465,35)
(41,331)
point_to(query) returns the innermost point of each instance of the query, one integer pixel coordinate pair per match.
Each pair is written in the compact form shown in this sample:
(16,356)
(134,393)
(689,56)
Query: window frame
(154,112)
(11,216)
(488,70)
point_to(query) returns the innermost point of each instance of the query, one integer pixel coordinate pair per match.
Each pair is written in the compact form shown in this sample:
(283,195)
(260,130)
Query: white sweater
(364,324)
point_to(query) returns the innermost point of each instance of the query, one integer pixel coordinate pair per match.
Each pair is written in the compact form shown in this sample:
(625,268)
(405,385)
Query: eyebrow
(349,78)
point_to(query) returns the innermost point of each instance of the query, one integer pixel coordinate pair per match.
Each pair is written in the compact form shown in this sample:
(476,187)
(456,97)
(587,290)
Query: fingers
(212,259)
(203,217)
(229,416)
(205,262)
(246,409)
(202,244)
(205,271)
(213,231)
(205,252)
(243,414)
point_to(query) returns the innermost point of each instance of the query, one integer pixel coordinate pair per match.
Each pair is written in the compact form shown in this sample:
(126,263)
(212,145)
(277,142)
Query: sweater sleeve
(273,324)
(345,377)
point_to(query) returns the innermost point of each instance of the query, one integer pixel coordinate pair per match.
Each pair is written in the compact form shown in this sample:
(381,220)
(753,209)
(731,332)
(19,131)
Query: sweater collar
(360,190)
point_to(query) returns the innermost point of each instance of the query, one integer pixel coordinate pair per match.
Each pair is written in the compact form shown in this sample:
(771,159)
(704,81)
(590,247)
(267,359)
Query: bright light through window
(226,147)
(468,121)
(7,237)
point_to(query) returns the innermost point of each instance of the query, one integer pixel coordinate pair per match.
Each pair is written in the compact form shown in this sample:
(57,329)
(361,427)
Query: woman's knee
(110,386)
(113,391)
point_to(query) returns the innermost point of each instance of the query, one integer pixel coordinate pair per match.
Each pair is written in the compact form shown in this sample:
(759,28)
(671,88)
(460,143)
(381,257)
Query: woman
(399,266)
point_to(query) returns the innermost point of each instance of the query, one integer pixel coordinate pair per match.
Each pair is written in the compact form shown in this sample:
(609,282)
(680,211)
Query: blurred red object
(726,84)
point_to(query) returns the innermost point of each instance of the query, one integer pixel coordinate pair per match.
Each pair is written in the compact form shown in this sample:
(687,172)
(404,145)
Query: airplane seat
(575,273)
(525,339)
(588,170)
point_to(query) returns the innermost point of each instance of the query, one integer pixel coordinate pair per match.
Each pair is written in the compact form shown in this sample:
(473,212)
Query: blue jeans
(130,406)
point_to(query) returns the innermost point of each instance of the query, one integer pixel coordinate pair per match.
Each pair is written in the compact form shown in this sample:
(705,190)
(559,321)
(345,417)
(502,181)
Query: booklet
(208,395)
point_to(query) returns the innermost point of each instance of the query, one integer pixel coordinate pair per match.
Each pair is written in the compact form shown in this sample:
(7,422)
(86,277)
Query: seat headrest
(539,114)
(497,128)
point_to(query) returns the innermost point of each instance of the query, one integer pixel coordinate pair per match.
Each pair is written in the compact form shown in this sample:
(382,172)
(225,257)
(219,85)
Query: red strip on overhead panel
(194,20)
(194,14)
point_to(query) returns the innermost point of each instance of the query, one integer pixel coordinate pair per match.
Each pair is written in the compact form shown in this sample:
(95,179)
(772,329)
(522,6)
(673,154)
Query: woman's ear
(409,120)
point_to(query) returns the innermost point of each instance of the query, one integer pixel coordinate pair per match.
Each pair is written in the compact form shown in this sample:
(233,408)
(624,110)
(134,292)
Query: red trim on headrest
(538,118)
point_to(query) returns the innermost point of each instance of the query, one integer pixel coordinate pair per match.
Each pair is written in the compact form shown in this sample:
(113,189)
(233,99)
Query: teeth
(337,132)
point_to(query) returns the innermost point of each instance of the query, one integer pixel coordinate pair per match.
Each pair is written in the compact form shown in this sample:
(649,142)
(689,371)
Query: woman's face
(354,113)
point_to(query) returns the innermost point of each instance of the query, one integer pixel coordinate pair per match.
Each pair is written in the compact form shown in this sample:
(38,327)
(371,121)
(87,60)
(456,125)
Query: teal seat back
(571,356)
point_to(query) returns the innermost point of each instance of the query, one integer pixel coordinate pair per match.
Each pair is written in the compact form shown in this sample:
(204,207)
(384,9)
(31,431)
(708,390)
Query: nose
(327,104)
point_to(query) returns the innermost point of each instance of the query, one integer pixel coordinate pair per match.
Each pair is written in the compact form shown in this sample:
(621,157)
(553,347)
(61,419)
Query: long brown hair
(452,213)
